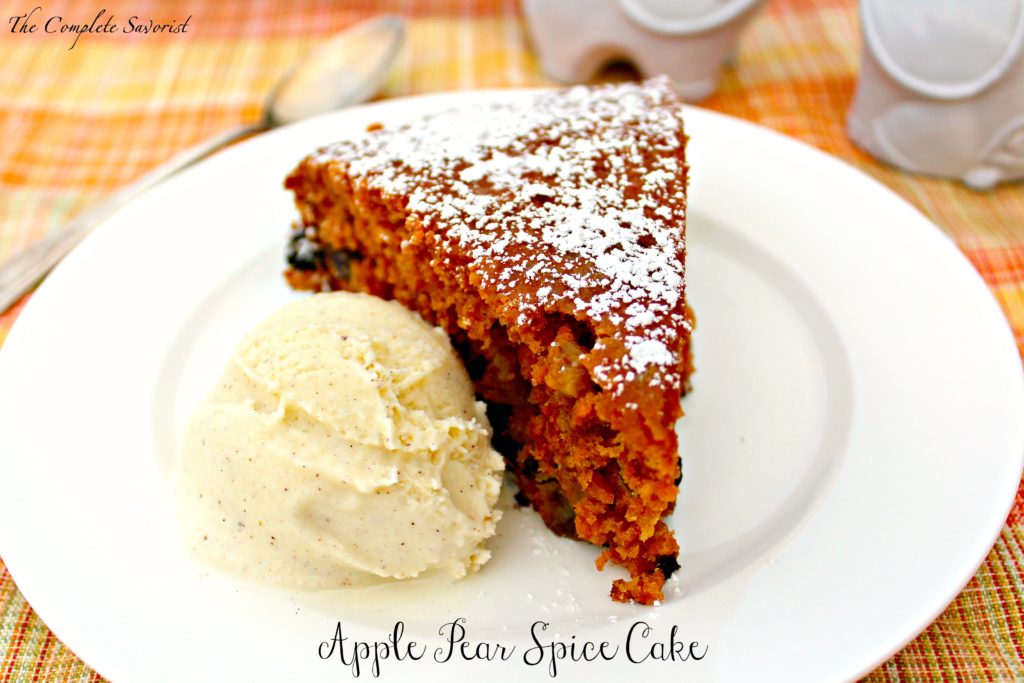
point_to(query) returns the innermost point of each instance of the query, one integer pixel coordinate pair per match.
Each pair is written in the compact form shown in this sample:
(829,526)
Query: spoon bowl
(346,70)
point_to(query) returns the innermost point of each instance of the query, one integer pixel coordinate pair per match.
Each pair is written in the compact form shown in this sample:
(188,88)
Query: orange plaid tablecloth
(75,124)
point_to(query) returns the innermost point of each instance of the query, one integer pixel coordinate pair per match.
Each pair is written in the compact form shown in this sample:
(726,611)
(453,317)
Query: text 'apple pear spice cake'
(546,235)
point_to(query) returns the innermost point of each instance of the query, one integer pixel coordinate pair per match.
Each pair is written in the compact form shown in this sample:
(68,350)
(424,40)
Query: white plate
(852,444)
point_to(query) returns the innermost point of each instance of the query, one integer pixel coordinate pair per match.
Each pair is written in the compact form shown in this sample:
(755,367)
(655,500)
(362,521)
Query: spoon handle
(22,271)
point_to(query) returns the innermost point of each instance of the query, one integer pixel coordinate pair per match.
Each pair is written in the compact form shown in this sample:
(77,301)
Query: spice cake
(546,236)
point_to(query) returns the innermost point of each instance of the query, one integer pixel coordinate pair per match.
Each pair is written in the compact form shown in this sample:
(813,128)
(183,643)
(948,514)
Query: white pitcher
(689,40)
(941,88)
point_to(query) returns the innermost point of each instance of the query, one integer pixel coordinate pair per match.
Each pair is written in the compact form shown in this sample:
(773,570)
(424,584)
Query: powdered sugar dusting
(574,202)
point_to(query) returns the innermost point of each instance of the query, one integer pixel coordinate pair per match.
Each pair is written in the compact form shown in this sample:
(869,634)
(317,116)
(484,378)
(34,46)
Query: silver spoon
(346,70)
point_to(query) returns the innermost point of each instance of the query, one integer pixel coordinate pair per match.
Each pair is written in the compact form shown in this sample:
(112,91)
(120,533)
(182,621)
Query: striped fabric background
(75,124)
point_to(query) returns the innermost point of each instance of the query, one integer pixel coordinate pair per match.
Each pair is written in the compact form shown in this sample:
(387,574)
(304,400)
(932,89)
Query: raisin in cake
(546,235)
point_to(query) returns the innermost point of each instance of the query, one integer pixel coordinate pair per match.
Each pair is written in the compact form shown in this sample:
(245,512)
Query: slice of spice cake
(546,235)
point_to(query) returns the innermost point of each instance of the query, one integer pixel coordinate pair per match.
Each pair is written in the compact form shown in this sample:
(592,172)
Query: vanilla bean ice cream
(342,442)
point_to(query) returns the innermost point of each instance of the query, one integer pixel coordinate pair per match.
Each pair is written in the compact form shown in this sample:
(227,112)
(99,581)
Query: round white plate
(852,444)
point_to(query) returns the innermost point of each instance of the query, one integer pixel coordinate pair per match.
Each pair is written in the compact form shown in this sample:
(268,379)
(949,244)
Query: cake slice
(546,236)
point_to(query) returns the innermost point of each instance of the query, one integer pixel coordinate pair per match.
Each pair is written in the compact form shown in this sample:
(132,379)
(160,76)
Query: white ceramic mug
(688,40)
(941,88)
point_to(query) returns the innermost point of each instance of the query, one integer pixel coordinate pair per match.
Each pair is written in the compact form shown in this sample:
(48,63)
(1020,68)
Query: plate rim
(470,95)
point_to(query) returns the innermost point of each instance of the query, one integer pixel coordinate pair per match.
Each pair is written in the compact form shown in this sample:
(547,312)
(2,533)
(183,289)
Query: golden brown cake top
(569,201)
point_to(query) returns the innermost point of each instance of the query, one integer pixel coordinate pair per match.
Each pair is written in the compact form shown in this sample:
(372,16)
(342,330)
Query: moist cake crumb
(546,236)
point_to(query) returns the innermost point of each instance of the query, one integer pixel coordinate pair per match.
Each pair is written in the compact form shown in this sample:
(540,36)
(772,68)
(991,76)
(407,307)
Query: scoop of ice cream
(342,441)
